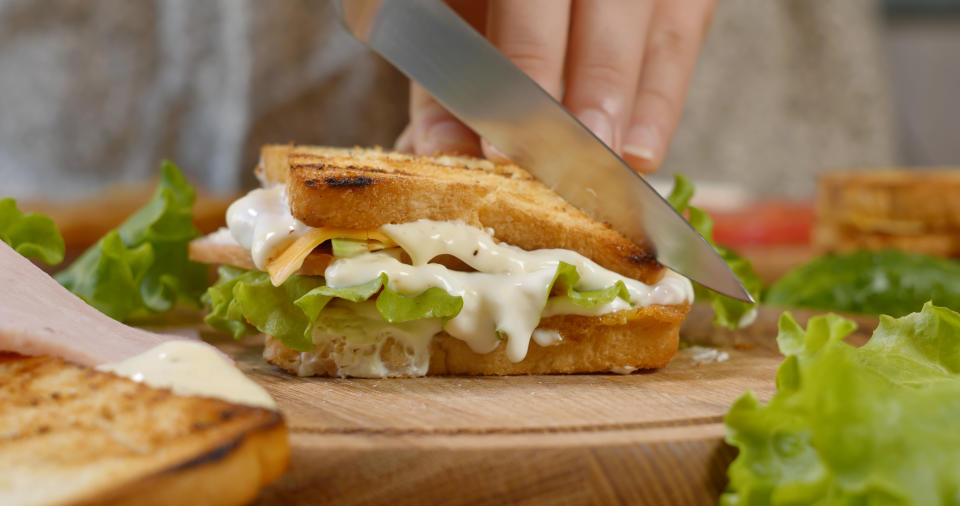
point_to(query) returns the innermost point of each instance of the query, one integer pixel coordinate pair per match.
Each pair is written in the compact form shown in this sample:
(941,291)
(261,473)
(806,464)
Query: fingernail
(599,124)
(446,137)
(642,142)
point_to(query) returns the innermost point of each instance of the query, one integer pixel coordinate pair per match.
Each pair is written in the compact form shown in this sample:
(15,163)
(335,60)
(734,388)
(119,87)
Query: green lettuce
(142,266)
(727,312)
(567,277)
(241,301)
(348,247)
(883,282)
(32,235)
(433,302)
(847,425)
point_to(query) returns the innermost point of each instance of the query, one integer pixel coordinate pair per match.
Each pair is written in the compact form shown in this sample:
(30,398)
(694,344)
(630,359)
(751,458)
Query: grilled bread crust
(367,188)
(74,435)
(910,210)
(640,338)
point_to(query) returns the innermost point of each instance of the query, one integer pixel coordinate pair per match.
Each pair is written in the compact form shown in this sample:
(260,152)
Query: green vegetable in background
(869,425)
(142,266)
(32,235)
(883,282)
(727,312)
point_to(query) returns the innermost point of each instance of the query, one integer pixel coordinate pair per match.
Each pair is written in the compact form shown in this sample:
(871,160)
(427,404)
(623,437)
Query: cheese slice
(292,256)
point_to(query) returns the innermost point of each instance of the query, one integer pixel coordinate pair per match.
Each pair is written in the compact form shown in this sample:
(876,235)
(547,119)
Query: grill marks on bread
(367,188)
(71,434)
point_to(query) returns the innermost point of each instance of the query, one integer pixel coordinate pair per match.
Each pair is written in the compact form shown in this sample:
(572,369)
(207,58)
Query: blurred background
(93,93)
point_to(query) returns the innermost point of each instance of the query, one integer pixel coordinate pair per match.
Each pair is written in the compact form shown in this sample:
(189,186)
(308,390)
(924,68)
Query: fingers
(673,44)
(433,130)
(533,35)
(603,63)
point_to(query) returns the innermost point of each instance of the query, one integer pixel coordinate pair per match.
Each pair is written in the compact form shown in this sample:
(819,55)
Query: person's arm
(622,66)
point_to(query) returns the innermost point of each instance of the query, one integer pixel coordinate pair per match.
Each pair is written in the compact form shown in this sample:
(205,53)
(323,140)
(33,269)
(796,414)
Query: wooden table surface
(644,438)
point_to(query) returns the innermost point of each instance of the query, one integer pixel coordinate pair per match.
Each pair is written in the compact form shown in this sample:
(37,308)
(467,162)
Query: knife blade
(432,45)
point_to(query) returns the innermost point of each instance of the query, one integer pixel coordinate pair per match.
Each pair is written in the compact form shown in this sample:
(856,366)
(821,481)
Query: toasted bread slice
(640,338)
(911,210)
(843,239)
(891,201)
(366,188)
(74,435)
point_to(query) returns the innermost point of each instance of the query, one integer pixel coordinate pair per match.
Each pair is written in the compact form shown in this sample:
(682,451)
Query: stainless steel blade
(433,46)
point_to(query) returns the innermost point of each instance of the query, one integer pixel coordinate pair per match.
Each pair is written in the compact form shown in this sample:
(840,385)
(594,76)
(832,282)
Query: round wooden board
(644,438)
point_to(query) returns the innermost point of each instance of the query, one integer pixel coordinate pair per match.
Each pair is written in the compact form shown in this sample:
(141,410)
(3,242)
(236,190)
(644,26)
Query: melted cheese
(192,368)
(291,258)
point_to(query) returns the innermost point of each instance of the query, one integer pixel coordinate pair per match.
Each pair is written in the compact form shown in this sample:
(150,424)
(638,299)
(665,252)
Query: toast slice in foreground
(74,435)
(360,262)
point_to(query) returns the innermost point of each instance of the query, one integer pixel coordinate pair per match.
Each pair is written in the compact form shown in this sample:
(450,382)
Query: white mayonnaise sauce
(547,337)
(192,368)
(262,223)
(506,299)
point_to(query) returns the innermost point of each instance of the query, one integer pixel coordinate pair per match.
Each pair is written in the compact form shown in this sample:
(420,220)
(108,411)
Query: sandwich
(908,210)
(368,263)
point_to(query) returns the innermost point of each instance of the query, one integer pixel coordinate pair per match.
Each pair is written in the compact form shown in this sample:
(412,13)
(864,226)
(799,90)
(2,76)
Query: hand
(622,66)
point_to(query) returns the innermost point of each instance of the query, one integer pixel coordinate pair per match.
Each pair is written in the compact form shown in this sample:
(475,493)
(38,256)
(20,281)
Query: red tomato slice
(764,223)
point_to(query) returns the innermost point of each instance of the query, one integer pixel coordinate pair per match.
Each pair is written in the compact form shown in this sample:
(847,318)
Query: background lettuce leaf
(883,282)
(142,266)
(727,312)
(32,235)
(868,425)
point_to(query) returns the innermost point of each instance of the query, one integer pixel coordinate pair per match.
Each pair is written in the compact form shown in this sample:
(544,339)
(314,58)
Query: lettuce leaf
(868,425)
(273,309)
(883,282)
(32,235)
(727,312)
(567,277)
(241,301)
(348,247)
(142,266)
(433,302)
(225,312)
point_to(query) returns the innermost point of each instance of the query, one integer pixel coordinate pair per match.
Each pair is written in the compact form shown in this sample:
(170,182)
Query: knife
(432,45)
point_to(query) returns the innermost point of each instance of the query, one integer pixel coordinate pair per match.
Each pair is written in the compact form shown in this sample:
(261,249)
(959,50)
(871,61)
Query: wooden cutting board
(644,438)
